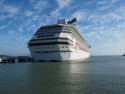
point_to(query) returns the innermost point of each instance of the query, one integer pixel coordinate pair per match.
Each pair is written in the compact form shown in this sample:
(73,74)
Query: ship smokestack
(72,21)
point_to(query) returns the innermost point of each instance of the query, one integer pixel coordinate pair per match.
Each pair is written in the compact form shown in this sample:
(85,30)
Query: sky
(101,22)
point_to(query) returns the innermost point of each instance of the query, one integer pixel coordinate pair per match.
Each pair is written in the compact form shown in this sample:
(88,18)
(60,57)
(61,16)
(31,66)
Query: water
(96,75)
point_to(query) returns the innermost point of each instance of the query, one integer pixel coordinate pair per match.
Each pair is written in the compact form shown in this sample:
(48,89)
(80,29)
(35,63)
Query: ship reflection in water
(95,75)
(60,78)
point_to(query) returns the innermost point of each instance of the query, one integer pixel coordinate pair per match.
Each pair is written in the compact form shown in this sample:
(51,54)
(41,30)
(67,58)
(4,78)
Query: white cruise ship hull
(58,53)
(60,56)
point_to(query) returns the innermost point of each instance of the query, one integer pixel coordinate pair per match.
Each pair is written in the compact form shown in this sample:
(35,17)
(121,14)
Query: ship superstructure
(58,42)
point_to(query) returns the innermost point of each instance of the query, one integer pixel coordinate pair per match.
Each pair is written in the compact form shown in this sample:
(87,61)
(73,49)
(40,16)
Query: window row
(45,52)
(49,47)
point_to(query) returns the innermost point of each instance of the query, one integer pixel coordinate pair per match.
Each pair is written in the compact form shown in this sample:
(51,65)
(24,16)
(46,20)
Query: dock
(17,59)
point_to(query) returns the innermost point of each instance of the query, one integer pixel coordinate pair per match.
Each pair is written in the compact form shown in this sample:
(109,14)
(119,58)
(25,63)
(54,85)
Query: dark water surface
(96,75)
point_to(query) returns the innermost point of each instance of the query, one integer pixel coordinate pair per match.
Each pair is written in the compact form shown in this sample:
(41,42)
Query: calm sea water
(96,75)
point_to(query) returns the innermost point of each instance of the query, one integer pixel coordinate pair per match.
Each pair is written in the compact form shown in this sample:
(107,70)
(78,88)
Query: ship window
(62,47)
(50,35)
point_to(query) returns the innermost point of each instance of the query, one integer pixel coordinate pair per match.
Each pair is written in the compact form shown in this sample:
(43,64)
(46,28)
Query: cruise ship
(59,42)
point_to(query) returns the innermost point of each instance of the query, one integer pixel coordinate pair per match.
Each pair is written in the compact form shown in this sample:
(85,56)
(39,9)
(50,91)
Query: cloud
(114,16)
(105,4)
(63,3)
(20,29)
(29,13)
(39,5)
(8,11)
(11,9)
(104,7)
(104,18)
(55,13)
(80,15)
(2,27)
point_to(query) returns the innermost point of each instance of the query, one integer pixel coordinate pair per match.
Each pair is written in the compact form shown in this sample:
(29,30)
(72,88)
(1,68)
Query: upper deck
(62,26)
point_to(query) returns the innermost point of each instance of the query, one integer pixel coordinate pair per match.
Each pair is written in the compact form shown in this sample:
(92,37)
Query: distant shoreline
(123,55)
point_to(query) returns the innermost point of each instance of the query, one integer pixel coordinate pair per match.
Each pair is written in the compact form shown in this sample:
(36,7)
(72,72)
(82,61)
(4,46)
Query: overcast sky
(102,23)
